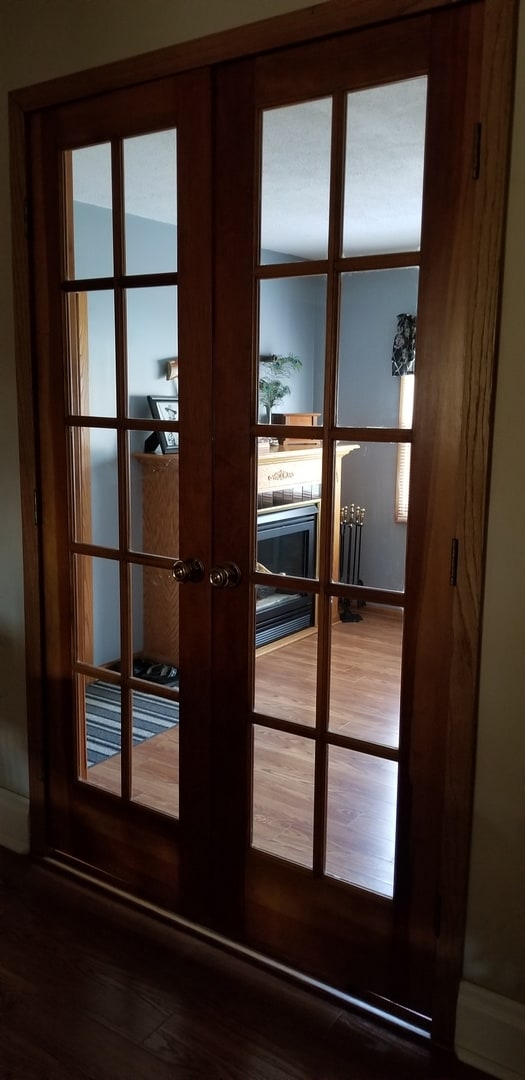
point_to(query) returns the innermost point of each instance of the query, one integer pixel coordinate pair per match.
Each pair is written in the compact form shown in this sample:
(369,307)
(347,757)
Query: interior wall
(41,39)
(368,396)
(287,315)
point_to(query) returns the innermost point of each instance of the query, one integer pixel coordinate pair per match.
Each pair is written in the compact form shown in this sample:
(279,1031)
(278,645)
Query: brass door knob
(225,577)
(184,570)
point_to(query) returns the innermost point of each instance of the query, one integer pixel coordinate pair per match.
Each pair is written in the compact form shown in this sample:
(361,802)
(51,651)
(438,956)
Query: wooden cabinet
(295,420)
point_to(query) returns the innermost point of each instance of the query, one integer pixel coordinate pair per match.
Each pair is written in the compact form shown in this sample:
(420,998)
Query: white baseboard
(490,1032)
(14,821)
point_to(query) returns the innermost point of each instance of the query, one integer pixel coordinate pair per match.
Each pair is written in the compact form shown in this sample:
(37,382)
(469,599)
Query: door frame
(491,161)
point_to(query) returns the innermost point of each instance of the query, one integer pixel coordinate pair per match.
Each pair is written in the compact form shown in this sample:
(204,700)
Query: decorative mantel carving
(285,467)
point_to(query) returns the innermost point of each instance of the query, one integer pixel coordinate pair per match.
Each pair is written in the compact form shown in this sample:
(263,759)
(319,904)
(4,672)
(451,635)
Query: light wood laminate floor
(364,704)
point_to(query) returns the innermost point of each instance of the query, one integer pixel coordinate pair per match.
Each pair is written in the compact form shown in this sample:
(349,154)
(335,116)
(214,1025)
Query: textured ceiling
(383,176)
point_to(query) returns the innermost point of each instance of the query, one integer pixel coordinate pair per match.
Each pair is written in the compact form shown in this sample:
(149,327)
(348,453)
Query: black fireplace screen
(287,545)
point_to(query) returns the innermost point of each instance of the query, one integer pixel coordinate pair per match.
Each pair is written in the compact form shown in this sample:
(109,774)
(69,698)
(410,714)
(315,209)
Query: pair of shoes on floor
(164,674)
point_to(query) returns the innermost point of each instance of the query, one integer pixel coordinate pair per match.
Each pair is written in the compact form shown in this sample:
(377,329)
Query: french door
(249,727)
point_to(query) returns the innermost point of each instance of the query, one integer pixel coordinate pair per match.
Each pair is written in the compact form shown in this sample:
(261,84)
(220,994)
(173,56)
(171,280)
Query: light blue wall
(292,320)
(152,339)
(155,240)
(368,395)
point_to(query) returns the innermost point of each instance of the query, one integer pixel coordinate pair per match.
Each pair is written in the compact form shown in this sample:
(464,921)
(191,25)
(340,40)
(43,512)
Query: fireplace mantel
(285,468)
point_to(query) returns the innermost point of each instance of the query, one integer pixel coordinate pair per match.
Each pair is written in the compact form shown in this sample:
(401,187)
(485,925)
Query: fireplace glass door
(286,545)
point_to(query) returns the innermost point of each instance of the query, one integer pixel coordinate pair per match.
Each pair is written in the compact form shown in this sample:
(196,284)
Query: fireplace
(286,544)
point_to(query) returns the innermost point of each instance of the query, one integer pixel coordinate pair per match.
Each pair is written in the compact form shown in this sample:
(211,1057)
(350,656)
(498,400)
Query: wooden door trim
(499,46)
(27,399)
(306,24)
(488,231)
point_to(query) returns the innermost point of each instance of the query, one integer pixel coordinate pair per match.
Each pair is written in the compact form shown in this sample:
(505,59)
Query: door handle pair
(227,576)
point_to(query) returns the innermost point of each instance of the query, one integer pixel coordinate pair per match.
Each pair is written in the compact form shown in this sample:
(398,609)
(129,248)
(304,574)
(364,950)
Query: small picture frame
(165,408)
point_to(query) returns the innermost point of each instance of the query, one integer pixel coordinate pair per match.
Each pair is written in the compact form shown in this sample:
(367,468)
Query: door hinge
(27,218)
(35,507)
(454,554)
(476,152)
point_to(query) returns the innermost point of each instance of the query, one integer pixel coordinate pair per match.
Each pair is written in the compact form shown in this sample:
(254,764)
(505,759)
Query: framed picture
(165,408)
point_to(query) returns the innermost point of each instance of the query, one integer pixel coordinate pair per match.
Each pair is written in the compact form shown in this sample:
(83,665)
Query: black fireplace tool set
(350,540)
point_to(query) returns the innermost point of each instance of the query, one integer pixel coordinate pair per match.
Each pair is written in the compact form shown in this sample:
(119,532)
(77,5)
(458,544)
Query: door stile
(196,373)
(234,467)
(45,271)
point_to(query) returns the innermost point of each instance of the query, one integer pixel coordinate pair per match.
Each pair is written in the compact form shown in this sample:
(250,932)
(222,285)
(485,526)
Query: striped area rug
(151,716)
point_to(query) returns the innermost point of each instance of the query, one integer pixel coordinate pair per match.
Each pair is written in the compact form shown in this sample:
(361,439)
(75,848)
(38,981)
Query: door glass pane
(385,141)
(287,541)
(286,656)
(295,184)
(100,724)
(361,820)
(155,634)
(97,610)
(288,523)
(155,754)
(283,786)
(92,232)
(368,382)
(150,199)
(365,672)
(292,313)
(92,353)
(288,474)
(287,535)
(94,456)
(369,543)
(154,500)
(152,343)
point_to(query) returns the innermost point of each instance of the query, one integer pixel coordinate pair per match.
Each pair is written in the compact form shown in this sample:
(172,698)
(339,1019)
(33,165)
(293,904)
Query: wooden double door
(287,219)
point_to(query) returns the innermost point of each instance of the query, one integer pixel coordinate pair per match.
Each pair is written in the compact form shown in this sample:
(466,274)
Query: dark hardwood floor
(92,990)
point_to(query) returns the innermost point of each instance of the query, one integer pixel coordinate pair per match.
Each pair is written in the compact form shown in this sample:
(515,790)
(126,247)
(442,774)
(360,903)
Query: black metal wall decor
(404,347)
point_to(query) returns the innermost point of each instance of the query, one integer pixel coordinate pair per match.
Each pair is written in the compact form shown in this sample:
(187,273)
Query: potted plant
(271,388)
